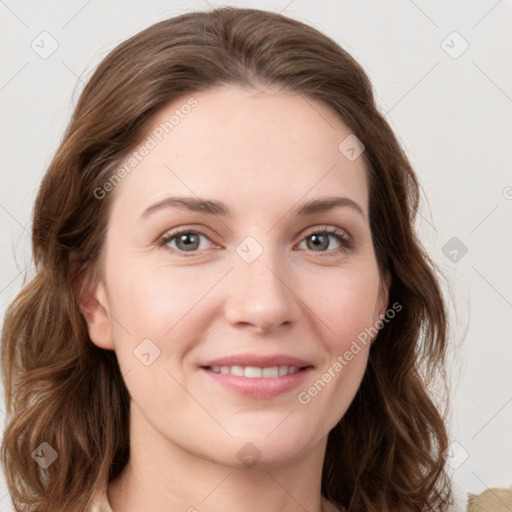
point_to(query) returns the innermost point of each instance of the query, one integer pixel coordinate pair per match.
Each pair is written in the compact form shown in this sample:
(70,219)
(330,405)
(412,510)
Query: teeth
(283,370)
(270,372)
(237,370)
(253,372)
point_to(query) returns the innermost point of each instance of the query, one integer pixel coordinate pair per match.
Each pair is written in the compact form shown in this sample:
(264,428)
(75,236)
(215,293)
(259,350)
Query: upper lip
(259,361)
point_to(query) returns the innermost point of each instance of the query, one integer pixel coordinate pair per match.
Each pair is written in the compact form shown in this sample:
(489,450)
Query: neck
(163,476)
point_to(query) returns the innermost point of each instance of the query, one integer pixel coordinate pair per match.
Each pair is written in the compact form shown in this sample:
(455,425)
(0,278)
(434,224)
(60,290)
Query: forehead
(255,148)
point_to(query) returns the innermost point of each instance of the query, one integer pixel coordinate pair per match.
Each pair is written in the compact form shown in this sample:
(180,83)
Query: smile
(256,382)
(254,372)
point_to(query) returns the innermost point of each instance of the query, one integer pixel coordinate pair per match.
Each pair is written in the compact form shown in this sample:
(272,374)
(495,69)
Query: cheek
(346,312)
(154,299)
(156,304)
(345,304)
(162,306)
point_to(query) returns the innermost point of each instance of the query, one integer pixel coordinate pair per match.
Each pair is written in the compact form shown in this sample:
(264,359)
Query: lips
(258,388)
(258,361)
(258,376)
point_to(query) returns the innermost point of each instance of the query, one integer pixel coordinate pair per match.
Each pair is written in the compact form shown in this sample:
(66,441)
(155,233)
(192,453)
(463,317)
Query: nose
(261,295)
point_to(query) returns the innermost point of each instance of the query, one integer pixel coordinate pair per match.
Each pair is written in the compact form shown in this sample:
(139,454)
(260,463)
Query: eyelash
(345,241)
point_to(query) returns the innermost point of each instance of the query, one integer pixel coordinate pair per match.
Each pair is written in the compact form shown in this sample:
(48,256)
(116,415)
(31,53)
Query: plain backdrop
(441,76)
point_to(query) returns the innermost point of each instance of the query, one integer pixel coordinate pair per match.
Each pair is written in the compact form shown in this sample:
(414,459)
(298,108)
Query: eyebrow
(213,207)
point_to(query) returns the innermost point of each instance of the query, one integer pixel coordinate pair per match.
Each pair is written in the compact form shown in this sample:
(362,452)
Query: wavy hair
(386,452)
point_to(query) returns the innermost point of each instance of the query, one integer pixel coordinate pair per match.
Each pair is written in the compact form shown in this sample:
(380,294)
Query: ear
(381,305)
(92,300)
(385,285)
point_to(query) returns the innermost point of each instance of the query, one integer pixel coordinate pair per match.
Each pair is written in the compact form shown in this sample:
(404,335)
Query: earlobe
(93,304)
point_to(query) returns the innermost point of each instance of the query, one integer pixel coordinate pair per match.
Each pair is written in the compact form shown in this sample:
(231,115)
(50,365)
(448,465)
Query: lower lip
(259,387)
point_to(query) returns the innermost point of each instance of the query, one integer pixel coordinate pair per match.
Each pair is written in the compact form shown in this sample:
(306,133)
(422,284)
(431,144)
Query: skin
(261,152)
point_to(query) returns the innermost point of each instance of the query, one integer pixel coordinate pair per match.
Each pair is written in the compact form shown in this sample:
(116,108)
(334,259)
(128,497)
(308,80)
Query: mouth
(258,376)
(255,372)
(244,361)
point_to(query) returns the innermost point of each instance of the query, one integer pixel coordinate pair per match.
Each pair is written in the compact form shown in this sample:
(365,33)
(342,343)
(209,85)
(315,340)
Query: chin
(265,451)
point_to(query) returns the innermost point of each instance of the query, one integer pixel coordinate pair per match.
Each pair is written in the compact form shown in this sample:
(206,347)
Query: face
(209,307)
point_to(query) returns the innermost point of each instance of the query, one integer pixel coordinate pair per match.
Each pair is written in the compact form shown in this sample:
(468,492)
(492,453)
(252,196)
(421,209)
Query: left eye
(190,240)
(320,239)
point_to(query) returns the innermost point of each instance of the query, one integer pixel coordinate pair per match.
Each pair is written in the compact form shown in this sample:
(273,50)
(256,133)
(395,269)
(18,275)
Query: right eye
(184,240)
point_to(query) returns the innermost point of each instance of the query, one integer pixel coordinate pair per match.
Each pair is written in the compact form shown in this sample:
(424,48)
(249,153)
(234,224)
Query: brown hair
(386,451)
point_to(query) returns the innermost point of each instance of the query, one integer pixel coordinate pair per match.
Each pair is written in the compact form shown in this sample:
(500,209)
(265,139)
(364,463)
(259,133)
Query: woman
(231,308)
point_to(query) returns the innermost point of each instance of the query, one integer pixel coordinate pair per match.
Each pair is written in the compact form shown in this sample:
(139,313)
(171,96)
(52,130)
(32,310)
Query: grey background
(450,108)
